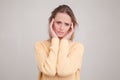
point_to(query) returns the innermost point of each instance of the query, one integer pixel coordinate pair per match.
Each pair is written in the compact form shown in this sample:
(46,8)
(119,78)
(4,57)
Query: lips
(60,33)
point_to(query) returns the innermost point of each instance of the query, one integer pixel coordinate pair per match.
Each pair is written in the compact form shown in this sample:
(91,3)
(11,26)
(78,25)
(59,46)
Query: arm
(47,64)
(69,64)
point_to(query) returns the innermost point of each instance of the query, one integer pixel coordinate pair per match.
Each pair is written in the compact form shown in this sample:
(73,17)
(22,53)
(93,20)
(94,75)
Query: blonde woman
(59,57)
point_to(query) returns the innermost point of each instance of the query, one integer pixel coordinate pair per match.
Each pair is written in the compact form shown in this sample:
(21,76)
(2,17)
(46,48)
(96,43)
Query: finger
(51,24)
(71,27)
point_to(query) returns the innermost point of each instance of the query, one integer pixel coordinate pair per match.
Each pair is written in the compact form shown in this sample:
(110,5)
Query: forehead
(63,17)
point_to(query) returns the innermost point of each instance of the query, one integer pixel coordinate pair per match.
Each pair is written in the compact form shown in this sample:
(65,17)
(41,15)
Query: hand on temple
(68,36)
(53,34)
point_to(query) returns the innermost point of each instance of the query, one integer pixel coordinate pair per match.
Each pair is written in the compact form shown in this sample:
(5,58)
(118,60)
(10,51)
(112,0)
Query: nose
(62,27)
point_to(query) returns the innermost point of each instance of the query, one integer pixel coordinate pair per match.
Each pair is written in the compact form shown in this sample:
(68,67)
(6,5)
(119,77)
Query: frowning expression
(62,24)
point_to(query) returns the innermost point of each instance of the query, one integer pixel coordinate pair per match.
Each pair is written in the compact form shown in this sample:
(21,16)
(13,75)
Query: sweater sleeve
(69,64)
(47,63)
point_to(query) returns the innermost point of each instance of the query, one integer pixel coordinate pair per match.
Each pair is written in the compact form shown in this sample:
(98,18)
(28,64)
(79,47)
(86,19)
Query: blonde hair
(63,9)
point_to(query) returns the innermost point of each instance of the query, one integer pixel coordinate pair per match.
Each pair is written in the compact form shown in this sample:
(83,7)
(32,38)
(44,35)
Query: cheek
(67,29)
(55,27)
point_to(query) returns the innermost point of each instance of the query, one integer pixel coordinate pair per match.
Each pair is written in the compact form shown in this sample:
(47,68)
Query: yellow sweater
(58,59)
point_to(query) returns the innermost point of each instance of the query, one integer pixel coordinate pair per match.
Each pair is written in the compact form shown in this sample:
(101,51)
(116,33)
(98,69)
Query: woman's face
(62,24)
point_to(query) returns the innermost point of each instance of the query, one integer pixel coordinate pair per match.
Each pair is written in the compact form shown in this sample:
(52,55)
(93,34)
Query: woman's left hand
(69,34)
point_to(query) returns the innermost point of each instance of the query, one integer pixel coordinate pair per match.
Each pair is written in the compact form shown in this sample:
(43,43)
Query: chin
(60,36)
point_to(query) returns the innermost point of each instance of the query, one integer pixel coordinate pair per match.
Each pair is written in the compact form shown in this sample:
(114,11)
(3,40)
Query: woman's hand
(69,34)
(53,34)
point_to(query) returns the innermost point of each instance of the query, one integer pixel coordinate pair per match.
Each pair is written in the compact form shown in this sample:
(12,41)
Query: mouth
(60,32)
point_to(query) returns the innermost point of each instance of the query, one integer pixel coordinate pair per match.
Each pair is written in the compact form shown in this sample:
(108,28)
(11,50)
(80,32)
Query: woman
(59,58)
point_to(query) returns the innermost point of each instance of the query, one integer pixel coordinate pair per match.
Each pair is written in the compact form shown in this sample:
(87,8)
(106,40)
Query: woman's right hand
(53,34)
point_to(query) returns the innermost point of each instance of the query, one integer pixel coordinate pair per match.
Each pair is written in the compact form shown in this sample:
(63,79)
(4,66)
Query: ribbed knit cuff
(64,46)
(55,44)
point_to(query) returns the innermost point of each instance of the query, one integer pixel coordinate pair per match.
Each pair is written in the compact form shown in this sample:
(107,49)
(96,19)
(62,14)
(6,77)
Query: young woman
(59,58)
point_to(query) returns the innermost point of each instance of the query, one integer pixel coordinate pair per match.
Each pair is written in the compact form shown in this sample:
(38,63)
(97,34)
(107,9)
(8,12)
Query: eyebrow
(61,21)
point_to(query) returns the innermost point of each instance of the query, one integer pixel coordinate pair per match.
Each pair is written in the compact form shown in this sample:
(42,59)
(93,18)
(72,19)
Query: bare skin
(61,26)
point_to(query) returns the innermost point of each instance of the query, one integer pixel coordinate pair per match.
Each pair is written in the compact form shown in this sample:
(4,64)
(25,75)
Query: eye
(58,22)
(67,24)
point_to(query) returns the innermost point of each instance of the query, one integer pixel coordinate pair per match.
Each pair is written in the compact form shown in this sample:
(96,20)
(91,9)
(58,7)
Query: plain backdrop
(23,22)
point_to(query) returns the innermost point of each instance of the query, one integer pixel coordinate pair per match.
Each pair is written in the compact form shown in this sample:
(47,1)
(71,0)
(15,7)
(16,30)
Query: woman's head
(63,19)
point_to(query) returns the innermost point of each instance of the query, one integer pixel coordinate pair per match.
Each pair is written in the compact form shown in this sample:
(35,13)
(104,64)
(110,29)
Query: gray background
(23,22)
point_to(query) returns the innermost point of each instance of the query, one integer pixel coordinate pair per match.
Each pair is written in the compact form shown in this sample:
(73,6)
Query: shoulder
(79,45)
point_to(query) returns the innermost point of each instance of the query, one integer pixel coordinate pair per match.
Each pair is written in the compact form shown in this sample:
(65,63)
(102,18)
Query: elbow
(62,72)
(52,73)
(49,72)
